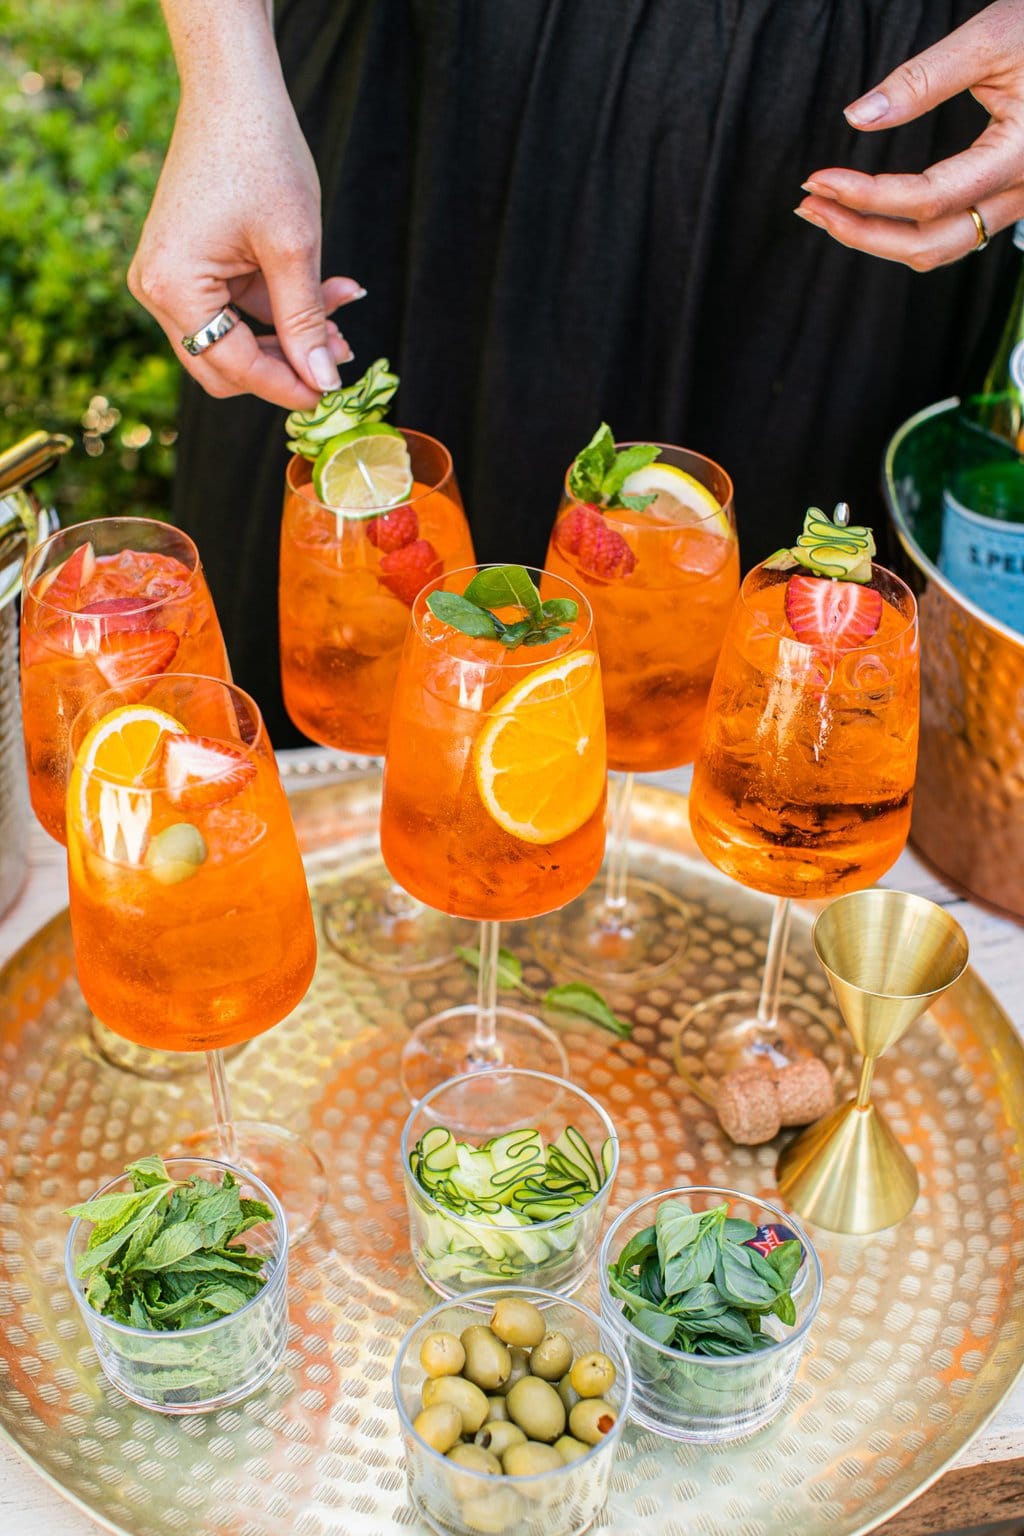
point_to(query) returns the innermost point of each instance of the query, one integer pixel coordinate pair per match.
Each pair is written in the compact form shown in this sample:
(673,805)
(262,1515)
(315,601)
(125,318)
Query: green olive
(592,1375)
(570,1449)
(463,1395)
(520,1368)
(494,1514)
(567,1392)
(498,1434)
(531,1457)
(518,1322)
(176,853)
(440,1426)
(536,1407)
(441,1354)
(591,1419)
(475,1459)
(497,1409)
(552,1357)
(488,1362)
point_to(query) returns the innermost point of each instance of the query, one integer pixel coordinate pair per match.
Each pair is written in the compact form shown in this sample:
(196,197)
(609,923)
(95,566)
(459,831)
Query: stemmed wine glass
(804,777)
(661,581)
(494,789)
(190,913)
(348,579)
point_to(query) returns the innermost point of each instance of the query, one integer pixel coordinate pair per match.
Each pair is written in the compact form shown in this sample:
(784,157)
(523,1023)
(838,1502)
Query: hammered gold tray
(918,1338)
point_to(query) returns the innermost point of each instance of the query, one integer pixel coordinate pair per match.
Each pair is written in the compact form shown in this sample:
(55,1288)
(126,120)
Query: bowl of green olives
(511,1403)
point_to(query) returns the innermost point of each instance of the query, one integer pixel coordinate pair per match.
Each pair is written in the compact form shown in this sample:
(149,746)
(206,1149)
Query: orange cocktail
(494,789)
(661,582)
(105,603)
(347,585)
(804,780)
(189,908)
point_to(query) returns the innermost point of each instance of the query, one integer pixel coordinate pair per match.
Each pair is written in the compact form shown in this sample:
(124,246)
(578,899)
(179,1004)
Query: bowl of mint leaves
(712,1294)
(184,1315)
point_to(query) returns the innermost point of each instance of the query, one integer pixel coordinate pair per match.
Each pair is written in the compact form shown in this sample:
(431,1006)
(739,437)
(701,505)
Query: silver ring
(979,229)
(214,330)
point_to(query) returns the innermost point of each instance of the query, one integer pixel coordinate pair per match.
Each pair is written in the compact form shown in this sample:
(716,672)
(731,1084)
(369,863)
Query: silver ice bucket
(23,522)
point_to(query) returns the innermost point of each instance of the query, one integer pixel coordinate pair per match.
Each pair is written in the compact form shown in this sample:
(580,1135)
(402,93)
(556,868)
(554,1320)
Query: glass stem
(618,850)
(774,962)
(222,1107)
(485,1042)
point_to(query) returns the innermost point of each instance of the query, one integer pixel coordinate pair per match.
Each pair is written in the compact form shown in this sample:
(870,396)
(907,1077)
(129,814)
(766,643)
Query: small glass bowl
(456,1254)
(458,1501)
(704,1397)
(195,1370)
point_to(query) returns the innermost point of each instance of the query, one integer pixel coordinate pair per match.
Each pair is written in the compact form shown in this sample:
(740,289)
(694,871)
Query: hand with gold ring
(952,208)
(235,221)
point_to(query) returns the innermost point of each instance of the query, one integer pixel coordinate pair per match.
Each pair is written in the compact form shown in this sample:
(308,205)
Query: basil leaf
(510,967)
(463,615)
(737,1230)
(515,634)
(736,1279)
(640,1246)
(784,1308)
(502,586)
(542,636)
(786,1260)
(655,1324)
(576,997)
(555,608)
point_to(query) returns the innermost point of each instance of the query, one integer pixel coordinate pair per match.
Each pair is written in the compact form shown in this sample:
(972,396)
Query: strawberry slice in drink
(127,654)
(836,615)
(200,771)
(63,587)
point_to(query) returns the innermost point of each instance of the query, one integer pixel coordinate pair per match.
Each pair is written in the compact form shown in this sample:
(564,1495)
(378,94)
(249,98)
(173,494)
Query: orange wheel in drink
(647,532)
(494,785)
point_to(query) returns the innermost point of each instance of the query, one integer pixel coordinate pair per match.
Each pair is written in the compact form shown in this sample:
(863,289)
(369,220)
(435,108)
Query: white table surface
(31,1507)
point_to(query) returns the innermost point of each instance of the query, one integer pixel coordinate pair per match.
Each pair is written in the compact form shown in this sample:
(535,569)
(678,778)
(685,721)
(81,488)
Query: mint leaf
(463,615)
(576,997)
(600,470)
(503,586)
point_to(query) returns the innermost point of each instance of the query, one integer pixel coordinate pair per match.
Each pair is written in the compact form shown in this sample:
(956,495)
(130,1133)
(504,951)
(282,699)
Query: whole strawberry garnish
(199,771)
(404,571)
(598,549)
(394,530)
(837,615)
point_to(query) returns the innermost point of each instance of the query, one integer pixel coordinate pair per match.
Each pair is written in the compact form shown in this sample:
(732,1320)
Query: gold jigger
(887,955)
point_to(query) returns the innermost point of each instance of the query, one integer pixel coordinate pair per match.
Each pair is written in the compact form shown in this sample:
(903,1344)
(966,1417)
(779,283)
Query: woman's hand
(925,220)
(236,219)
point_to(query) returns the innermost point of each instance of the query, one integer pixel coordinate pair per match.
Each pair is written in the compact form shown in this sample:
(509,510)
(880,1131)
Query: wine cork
(747,1104)
(805,1091)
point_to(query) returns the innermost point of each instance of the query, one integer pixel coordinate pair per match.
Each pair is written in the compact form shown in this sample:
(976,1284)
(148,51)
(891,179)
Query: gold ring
(979,224)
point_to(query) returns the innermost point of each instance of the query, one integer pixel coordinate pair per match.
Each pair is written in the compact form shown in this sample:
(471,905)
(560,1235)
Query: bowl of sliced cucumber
(507,1179)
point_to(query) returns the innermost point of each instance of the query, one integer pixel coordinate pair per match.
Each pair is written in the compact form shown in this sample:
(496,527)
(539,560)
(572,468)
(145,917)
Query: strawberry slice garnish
(404,571)
(126,654)
(598,549)
(199,771)
(64,587)
(394,530)
(839,615)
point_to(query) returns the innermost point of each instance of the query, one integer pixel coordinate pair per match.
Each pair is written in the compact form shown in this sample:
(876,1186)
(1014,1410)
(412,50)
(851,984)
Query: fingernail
(868,110)
(323,370)
(810,218)
(357,293)
(348,354)
(819,189)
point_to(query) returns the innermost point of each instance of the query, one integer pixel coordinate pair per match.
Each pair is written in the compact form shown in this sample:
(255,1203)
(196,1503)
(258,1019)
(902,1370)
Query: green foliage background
(87,99)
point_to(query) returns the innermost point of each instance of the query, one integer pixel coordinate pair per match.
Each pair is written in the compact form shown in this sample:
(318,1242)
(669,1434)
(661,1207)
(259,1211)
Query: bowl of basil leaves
(184,1316)
(712,1294)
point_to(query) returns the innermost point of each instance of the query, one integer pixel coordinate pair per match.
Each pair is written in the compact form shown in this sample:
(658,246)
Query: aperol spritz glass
(348,580)
(661,582)
(494,794)
(190,913)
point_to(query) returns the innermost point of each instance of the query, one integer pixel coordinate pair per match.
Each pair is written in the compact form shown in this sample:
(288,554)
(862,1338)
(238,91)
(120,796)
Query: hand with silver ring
(235,220)
(949,210)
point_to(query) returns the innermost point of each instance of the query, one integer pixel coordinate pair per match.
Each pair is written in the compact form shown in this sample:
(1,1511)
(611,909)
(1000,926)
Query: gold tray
(917,1340)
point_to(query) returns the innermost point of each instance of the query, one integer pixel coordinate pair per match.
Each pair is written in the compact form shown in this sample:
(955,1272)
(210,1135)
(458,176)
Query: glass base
(375,925)
(643,939)
(277,1156)
(444,1046)
(141,1061)
(723,1034)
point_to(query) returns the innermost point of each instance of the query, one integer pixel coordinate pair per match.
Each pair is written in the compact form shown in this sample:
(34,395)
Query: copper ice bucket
(968,816)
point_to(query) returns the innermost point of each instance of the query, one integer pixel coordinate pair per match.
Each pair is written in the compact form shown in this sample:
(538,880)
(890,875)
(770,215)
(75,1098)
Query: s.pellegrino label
(982,555)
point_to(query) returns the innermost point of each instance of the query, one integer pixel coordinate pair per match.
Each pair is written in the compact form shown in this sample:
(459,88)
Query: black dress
(574,210)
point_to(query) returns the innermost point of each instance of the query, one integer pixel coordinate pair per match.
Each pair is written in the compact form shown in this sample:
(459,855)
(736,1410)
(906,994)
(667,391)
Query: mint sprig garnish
(341,409)
(826,548)
(570,997)
(504,586)
(164,1256)
(600,470)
